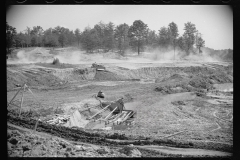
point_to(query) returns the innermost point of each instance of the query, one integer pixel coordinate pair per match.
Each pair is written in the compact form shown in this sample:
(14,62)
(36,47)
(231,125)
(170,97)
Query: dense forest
(104,37)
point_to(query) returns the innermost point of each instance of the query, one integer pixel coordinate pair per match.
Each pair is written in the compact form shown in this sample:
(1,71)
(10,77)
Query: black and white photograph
(119,81)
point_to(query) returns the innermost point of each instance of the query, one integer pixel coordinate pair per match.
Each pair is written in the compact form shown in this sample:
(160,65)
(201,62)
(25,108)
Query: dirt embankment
(32,77)
(21,143)
(194,79)
(198,77)
(75,74)
(218,74)
(101,138)
(40,77)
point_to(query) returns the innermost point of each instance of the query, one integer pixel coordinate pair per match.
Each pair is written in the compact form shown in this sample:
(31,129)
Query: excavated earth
(183,109)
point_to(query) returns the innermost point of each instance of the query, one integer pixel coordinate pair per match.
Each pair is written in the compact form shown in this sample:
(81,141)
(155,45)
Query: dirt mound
(75,74)
(194,79)
(174,77)
(17,76)
(206,81)
(201,82)
(105,75)
(176,88)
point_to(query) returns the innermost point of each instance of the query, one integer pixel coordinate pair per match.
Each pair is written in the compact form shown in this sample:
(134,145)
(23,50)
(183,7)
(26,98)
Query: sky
(215,22)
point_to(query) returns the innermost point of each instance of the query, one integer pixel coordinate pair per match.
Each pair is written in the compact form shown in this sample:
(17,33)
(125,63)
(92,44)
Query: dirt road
(191,152)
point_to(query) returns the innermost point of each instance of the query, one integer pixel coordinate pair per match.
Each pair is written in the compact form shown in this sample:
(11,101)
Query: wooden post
(35,128)
(30,90)
(22,100)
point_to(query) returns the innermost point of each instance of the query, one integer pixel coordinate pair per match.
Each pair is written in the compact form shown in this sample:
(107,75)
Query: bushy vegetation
(104,37)
(56,61)
(126,150)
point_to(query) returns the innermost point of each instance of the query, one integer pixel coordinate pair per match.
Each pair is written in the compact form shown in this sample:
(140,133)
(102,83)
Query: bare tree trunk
(174,48)
(138,47)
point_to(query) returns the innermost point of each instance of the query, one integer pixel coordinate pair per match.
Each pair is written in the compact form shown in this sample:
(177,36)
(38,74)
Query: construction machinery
(118,114)
(98,67)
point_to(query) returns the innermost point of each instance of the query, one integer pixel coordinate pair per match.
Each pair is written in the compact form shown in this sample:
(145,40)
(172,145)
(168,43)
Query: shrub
(80,71)
(13,141)
(126,150)
(56,61)
(190,144)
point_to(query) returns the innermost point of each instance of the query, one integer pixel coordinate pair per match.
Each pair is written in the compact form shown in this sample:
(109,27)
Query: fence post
(35,128)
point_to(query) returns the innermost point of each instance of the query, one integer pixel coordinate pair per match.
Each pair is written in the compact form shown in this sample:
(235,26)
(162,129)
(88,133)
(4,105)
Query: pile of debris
(58,119)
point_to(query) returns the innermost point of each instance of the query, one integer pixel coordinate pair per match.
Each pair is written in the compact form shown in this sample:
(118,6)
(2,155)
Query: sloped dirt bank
(22,143)
(164,72)
(101,138)
(37,77)
(202,77)
(75,74)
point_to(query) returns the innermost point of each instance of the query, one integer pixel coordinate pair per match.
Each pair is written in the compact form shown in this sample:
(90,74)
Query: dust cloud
(76,56)
(168,54)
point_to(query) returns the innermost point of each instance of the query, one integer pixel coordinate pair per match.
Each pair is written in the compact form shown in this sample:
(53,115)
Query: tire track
(214,114)
(185,151)
(219,127)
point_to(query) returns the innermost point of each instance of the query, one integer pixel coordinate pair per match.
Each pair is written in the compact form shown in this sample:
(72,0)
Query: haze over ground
(214,22)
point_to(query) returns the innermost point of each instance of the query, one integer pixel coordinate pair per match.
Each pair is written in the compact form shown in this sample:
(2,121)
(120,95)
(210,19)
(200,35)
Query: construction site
(108,105)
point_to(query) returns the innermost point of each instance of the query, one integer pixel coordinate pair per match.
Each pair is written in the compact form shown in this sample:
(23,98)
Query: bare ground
(177,105)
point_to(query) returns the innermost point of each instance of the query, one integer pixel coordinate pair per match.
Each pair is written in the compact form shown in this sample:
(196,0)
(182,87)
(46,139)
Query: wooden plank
(110,113)
(115,118)
(100,111)
(87,108)
(132,114)
(126,117)
(105,119)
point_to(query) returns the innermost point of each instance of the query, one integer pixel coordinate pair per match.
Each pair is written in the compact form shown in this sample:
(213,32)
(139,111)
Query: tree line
(104,37)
